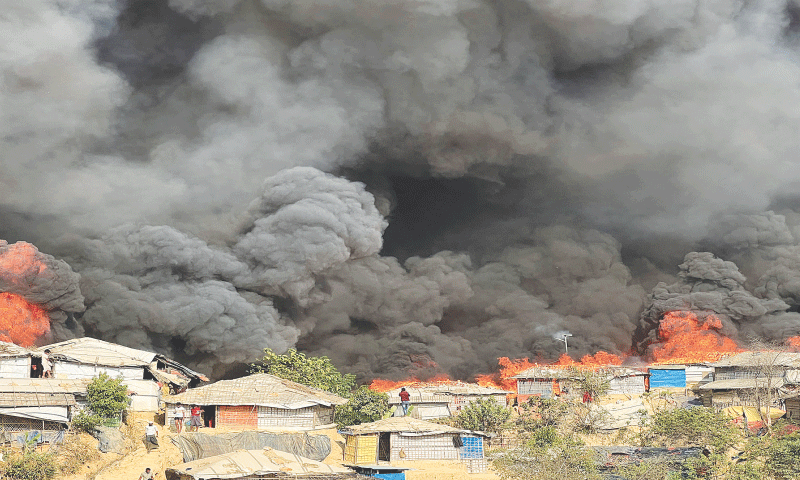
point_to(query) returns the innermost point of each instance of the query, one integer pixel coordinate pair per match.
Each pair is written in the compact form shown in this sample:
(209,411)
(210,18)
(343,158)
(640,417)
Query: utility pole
(564,337)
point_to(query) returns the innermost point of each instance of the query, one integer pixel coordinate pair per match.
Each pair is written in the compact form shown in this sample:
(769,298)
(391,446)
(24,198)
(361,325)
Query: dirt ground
(112,466)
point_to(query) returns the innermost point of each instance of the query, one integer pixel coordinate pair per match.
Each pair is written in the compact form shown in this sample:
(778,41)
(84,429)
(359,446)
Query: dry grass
(77,451)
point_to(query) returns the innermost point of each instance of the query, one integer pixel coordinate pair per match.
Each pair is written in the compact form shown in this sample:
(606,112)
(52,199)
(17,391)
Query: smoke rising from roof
(495,171)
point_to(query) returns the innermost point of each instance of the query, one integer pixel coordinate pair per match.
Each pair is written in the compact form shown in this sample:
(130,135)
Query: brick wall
(244,415)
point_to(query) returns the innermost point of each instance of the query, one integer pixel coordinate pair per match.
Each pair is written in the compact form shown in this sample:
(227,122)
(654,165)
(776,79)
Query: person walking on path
(151,436)
(196,422)
(180,416)
(405,400)
(146,475)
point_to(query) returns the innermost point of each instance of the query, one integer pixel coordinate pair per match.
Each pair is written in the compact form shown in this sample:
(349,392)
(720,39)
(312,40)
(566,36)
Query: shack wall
(535,386)
(15,367)
(361,449)
(423,447)
(632,385)
(67,370)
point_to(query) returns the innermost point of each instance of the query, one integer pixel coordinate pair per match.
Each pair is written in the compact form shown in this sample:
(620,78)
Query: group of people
(194,422)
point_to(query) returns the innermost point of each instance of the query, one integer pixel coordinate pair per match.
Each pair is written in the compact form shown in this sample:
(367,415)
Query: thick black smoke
(405,186)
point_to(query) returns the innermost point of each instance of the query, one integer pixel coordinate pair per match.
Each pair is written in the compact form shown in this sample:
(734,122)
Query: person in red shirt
(405,400)
(196,422)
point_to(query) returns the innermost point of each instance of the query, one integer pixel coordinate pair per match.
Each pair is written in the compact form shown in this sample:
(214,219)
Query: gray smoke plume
(409,187)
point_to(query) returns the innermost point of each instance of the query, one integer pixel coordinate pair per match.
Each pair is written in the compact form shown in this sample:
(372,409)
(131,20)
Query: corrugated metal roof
(242,463)
(92,351)
(742,383)
(758,359)
(257,389)
(402,425)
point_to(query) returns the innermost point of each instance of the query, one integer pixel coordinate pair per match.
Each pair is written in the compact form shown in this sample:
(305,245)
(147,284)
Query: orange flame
(381,385)
(685,338)
(794,342)
(21,322)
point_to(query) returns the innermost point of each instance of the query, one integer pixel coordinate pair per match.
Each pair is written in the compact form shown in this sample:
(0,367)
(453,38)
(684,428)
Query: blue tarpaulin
(472,447)
(667,378)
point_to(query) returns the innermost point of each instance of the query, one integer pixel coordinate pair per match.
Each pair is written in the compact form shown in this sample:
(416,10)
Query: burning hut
(438,400)
(259,401)
(749,379)
(405,438)
(88,357)
(258,464)
(551,381)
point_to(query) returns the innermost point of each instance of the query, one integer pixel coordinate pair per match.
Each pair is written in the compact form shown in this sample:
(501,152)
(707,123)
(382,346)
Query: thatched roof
(760,359)
(266,462)
(257,389)
(743,384)
(403,425)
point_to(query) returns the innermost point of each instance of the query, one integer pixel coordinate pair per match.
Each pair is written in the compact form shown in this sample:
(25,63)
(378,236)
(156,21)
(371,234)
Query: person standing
(405,400)
(146,475)
(180,416)
(47,366)
(196,421)
(151,436)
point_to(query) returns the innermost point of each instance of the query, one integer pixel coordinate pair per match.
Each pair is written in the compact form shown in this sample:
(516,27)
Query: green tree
(694,426)
(364,406)
(107,397)
(484,414)
(316,372)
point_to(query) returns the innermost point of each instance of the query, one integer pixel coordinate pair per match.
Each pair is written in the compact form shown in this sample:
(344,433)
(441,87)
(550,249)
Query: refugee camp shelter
(545,382)
(38,405)
(15,361)
(749,379)
(258,464)
(384,472)
(259,401)
(438,400)
(625,381)
(88,357)
(405,438)
(550,381)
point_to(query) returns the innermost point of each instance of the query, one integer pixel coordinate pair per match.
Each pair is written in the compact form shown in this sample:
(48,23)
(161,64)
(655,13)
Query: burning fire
(380,385)
(21,322)
(685,338)
(793,342)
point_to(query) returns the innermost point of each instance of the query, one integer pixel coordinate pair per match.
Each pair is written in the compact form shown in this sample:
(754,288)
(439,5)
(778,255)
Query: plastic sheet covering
(195,446)
(51,413)
(752,413)
(35,436)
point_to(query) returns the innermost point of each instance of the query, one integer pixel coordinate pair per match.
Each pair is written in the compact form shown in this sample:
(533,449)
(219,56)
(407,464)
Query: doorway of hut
(209,414)
(384,447)
(36,367)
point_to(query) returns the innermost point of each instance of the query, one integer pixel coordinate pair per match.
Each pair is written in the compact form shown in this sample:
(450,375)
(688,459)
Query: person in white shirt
(151,436)
(47,366)
(147,475)
(180,416)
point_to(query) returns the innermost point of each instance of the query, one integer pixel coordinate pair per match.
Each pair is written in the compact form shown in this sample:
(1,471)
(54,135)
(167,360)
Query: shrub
(364,406)
(107,397)
(86,422)
(76,453)
(782,457)
(694,426)
(484,415)
(31,465)
(555,462)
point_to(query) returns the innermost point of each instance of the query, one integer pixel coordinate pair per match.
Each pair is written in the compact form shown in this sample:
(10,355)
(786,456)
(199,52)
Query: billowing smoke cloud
(405,186)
